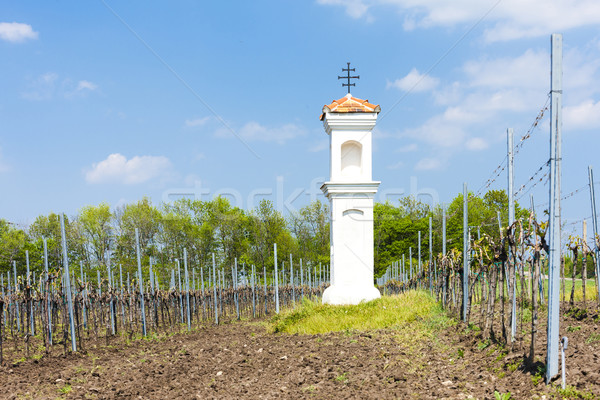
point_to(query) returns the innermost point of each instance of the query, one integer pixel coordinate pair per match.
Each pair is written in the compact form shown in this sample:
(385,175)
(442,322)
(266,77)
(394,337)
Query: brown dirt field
(242,360)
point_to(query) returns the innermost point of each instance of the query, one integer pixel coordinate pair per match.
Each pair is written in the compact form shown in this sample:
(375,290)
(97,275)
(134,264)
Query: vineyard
(480,295)
(61,308)
(505,293)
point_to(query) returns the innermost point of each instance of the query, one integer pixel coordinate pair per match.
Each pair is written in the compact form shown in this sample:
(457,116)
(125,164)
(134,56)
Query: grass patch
(538,377)
(502,396)
(569,392)
(385,312)
(594,337)
(65,389)
(343,378)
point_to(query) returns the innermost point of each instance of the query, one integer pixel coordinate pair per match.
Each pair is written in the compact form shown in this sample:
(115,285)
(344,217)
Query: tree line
(98,236)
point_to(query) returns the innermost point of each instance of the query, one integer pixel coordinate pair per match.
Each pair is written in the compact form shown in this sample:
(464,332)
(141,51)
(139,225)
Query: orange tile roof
(349,104)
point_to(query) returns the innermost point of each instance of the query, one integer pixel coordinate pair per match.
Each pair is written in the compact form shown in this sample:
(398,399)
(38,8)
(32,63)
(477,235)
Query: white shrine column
(350,190)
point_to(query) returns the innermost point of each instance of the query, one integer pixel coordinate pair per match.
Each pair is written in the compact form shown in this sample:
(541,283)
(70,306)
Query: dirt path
(242,360)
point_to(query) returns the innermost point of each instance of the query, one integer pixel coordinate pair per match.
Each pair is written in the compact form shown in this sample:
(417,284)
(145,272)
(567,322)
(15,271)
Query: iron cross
(348,77)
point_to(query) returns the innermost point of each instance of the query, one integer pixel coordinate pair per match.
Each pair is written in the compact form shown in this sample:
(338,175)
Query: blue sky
(112,101)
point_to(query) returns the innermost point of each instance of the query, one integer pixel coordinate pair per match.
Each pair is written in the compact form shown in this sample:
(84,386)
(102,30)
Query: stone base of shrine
(350,295)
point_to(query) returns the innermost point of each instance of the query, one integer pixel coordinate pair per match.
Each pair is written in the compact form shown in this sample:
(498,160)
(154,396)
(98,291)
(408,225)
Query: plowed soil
(242,360)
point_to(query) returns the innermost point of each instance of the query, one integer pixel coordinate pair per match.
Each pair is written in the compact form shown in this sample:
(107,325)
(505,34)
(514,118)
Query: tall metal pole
(419,246)
(139,263)
(554,229)
(187,289)
(180,290)
(511,220)
(465,252)
(444,230)
(214,282)
(67,281)
(444,255)
(47,290)
(276,279)
(410,262)
(511,176)
(430,252)
(595,226)
(32,315)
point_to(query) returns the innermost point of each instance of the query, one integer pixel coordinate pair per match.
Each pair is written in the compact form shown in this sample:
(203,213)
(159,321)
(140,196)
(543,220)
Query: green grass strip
(386,312)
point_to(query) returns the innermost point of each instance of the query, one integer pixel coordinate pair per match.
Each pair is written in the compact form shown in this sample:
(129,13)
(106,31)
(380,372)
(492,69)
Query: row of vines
(507,281)
(53,311)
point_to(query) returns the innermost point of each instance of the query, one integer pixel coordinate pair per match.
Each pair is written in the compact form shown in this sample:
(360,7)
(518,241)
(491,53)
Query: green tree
(267,226)
(396,230)
(147,219)
(48,226)
(96,226)
(13,243)
(310,227)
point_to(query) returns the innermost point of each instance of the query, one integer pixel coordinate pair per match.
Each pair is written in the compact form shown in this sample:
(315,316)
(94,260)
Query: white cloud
(354,8)
(491,90)
(396,165)
(319,146)
(192,180)
(116,168)
(476,144)
(529,70)
(48,85)
(428,164)
(408,148)
(193,123)
(16,32)
(585,115)
(86,85)
(121,202)
(41,88)
(70,90)
(254,131)
(437,131)
(449,94)
(414,82)
(506,19)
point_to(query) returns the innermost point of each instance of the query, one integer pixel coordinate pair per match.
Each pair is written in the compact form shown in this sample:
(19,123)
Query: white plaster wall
(351,192)
(352,241)
(350,127)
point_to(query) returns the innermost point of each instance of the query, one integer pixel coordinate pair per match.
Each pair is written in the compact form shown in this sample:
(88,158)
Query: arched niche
(353,214)
(351,158)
